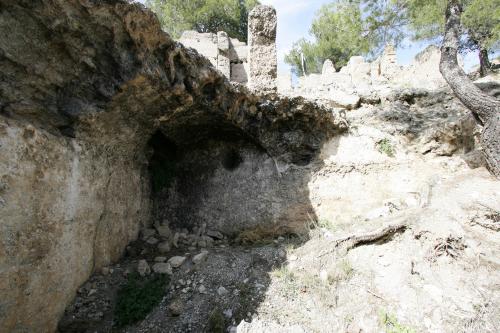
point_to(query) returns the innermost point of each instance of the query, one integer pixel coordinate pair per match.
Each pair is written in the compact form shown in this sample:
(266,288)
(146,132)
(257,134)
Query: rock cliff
(91,93)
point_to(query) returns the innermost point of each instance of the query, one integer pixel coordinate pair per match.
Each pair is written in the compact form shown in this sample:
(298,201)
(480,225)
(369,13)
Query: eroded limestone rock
(83,88)
(262,57)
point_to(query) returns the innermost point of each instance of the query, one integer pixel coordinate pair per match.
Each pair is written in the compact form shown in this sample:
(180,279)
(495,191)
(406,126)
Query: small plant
(216,322)
(385,146)
(391,324)
(347,269)
(343,272)
(288,279)
(284,273)
(138,297)
(246,300)
(327,224)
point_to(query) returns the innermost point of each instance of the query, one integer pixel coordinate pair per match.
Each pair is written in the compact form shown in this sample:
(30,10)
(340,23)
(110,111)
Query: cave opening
(213,175)
(163,161)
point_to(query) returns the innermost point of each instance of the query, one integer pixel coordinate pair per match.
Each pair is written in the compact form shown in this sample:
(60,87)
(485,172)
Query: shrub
(138,297)
(216,322)
(385,146)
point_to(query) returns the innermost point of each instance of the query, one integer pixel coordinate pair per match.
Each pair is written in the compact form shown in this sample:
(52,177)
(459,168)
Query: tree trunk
(485,108)
(484,62)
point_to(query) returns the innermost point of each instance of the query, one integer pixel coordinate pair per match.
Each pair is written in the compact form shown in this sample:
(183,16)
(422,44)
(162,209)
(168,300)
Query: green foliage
(338,33)
(230,16)
(386,22)
(385,146)
(391,324)
(480,21)
(245,299)
(327,224)
(216,322)
(363,27)
(343,271)
(138,297)
(347,269)
(426,18)
(481,18)
(345,28)
(289,281)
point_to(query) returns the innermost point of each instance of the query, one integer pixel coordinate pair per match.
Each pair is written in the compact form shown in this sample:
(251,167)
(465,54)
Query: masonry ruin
(359,81)
(255,64)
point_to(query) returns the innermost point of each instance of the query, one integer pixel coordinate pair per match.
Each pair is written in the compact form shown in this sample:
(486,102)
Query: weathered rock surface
(83,87)
(162,268)
(143,268)
(262,57)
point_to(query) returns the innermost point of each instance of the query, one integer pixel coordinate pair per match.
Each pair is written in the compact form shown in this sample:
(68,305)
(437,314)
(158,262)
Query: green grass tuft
(138,297)
(385,146)
(216,322)
(391,324)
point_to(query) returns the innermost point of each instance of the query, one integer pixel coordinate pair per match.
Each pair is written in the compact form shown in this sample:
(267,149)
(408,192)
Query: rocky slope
(404,236)
(85,88)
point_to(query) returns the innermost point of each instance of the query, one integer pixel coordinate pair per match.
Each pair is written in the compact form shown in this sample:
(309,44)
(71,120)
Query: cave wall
(83,87)
(230,186)
(66,208)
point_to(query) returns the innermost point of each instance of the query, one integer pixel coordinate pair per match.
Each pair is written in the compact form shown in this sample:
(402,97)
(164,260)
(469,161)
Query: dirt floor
(364,278)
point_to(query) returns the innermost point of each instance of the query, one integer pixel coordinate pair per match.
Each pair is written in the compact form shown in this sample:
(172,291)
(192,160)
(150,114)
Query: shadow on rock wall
(227,184)
(84,85)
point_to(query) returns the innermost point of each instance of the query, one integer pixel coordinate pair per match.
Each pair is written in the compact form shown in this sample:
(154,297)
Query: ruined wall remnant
(389,62)
(256,64)
(81,95)
(228,55)
(223,61)
(263,65)
(371,82)
(328,68)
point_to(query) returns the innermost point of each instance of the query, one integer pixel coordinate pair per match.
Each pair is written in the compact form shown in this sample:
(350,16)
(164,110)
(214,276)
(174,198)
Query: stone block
(262,57)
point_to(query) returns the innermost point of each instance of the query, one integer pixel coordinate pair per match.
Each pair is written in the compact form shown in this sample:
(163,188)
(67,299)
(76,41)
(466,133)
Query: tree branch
(480,104)
(485,108)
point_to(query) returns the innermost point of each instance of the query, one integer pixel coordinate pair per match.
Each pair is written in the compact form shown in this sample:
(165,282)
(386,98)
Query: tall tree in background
(478,31)
(485,108)
(230,16)
(363,27)
(339,34)
(345,28)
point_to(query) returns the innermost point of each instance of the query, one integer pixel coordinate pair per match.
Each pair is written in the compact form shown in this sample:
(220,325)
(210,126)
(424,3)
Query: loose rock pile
(204,281)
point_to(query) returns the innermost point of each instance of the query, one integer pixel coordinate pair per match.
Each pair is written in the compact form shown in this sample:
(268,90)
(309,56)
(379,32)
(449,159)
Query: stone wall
(360,80)
(67,207)
(255,64)
(228,55)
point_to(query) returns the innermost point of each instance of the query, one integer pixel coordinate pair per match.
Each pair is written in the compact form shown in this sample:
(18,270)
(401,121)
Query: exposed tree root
(449,246)
(488,221)
(355,240)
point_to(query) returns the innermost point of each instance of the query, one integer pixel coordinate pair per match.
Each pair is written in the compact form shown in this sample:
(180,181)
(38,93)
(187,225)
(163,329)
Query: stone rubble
(176,261)
(143,268)
(197,259)
(162,268)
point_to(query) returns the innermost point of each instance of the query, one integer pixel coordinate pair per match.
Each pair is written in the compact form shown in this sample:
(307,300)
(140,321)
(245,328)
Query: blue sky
(294,20)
